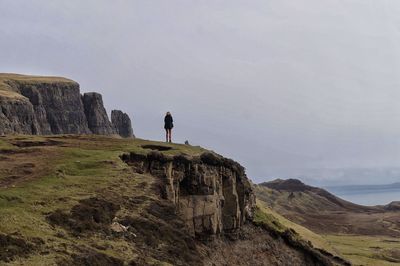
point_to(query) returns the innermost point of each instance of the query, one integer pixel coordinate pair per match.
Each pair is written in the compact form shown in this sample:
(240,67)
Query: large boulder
(96,114)
(122,123)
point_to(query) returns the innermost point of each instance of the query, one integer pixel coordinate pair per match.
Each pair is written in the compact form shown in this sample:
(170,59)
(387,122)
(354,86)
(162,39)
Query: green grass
(316,240)
(5,145)
(366,250)
(83,167)
(263,217)
(76,175)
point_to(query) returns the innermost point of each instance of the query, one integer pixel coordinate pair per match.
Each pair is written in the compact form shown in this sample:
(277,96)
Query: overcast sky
(281,86)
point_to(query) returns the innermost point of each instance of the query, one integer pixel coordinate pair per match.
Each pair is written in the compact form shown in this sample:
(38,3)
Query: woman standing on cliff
(168,125)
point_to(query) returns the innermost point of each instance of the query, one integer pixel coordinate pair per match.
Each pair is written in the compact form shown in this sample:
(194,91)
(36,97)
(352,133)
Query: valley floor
(367,250)
(362,235)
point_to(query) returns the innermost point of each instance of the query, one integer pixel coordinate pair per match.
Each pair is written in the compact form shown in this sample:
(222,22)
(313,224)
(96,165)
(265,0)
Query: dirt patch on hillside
(89,215)
(22,165)
(92,258)
(29,143)
(13,246)
(370,224)
(256,246)
(156,147)
(161,234)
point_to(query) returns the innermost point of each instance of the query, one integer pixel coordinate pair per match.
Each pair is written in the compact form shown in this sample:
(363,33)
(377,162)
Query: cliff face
(212,194)
(58,107)
(96,114)
(122,123)
(45,106)
(17,116)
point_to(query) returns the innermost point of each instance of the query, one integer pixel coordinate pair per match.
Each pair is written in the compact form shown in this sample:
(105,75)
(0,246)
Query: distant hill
(364,235)
(394,186)
(323,212)
(298,192)
(336,176)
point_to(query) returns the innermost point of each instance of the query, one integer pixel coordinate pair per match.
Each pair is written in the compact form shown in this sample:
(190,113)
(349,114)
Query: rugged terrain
(97,200)
(51,105)
(365,235)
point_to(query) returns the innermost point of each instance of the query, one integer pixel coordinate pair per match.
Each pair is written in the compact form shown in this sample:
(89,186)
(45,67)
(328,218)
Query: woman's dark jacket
(168,122)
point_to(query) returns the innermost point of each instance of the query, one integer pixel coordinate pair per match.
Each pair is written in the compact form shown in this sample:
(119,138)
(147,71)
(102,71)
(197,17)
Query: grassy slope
(316,240)
(78,168)
(360,250)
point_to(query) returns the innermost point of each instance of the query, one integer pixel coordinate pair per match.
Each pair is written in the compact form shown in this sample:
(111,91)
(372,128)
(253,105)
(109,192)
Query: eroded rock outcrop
(96,114)
(50,105)
(211,193)
(122,123)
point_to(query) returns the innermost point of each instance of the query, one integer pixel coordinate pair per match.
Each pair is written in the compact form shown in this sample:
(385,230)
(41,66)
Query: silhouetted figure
(168,125)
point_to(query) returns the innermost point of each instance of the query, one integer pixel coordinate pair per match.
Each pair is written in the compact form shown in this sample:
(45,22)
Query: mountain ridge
(348,227)
(296,185)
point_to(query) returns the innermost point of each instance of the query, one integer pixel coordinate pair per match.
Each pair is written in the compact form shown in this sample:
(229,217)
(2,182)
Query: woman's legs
(168,133)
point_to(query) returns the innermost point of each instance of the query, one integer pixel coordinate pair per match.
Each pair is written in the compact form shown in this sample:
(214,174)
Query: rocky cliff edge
(35,105)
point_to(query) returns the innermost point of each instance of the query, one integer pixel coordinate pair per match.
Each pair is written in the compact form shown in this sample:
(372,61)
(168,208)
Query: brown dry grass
(6,91)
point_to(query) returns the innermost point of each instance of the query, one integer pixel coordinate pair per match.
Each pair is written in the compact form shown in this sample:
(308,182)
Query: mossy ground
(57,173)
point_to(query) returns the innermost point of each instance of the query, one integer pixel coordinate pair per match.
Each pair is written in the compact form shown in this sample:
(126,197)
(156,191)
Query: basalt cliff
(212,193)
(35,105)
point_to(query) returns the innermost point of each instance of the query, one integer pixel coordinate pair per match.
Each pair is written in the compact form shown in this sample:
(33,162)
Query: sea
(368,195)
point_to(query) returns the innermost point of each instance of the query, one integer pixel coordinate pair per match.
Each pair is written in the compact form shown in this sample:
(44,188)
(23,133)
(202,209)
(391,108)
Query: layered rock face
(122,123)
(58,107)
(17,116)
(211,193)
(96,114)
(47,105)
